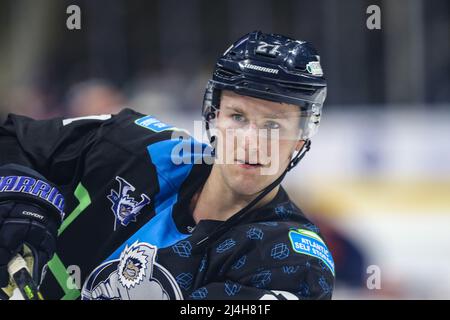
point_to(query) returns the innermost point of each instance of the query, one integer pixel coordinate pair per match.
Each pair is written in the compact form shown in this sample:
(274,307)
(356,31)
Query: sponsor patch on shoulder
(153,124)
(309,243)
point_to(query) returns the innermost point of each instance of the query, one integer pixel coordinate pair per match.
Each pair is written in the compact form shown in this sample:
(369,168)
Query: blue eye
(238,117)
(272,125)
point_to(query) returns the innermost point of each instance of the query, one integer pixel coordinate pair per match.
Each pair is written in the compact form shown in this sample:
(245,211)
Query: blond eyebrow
(236,109)
(278,115)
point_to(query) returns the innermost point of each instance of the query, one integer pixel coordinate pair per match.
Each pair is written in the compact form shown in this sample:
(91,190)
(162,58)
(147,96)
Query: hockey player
(127,207)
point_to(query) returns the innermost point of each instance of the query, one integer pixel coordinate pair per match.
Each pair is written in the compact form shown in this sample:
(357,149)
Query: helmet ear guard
(211,104)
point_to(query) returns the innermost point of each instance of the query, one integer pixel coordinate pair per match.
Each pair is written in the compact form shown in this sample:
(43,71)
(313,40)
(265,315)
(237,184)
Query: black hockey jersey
(128,233)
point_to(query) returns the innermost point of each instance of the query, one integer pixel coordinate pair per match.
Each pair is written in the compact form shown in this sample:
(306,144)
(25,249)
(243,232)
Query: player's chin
(246,189)
(247,184)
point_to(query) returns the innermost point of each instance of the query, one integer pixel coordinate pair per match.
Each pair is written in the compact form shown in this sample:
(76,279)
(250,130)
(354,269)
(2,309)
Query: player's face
(255,142)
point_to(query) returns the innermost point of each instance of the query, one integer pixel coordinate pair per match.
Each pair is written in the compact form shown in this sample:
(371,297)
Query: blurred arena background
(377,180)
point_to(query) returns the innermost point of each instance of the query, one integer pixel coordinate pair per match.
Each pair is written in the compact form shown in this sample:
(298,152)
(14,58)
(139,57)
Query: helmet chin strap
(236,218)
(300,154)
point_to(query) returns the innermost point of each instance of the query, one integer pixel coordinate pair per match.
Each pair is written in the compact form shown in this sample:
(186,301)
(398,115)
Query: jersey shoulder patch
(151,123)
(306,242)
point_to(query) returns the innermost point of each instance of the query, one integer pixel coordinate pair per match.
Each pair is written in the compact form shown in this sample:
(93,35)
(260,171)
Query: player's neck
(216,201)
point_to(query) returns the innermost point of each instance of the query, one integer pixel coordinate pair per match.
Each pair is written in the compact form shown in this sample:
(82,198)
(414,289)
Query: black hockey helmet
(271,67)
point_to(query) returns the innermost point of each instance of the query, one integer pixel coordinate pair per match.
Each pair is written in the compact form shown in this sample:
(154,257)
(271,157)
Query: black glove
(31,211)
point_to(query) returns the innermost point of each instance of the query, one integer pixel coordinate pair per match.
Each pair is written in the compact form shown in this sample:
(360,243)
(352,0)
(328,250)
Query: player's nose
(249,141)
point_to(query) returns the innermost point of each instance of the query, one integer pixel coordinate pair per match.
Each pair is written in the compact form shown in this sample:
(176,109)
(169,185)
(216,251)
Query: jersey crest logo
(125,207)
(135,275)
(132,265)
